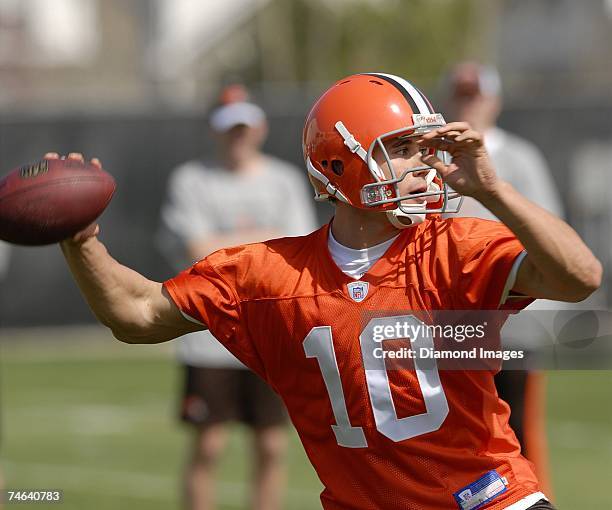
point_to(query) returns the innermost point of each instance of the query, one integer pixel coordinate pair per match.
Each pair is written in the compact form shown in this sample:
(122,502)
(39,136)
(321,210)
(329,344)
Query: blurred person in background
(473,93)
(238,197)
(474,96)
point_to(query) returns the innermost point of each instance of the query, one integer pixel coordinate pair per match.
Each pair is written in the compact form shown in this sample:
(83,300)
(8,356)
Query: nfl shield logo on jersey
(466,495)
(358,290)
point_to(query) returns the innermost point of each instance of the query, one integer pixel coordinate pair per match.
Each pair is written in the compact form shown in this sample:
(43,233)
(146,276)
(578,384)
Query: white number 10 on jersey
(319,344)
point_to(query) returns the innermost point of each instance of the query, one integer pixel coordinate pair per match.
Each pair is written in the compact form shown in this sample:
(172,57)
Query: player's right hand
(93,229)
(471,172)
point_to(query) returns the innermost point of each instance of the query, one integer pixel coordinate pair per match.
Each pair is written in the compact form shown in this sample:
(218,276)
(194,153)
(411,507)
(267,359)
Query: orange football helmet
(346,124)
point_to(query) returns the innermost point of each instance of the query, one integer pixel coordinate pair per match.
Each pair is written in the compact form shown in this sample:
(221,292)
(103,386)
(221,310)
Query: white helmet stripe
(410,89)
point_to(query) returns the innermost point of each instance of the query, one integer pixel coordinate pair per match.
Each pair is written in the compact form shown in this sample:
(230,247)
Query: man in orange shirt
(306,313)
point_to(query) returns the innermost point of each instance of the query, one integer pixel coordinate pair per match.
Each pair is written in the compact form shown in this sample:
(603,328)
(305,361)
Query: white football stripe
(414,93)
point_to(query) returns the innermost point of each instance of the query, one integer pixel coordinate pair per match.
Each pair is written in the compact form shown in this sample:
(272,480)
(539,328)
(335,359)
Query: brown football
(51,200)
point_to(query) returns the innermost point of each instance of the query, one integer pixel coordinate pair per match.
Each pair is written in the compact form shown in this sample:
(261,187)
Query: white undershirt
(355,263)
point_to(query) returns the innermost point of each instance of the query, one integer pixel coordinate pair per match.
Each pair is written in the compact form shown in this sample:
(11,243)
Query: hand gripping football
(52,200)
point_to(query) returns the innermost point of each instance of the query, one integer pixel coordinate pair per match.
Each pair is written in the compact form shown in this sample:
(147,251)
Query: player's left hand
(471,172)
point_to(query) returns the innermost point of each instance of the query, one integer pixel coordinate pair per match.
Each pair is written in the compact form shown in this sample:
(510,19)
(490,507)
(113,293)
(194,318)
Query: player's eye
(403,150)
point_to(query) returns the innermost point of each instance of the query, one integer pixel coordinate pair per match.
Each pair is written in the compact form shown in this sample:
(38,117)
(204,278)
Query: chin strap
(400,219)
(411,215)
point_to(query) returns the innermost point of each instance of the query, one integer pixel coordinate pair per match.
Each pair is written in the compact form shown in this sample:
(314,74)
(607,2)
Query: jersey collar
(389,270)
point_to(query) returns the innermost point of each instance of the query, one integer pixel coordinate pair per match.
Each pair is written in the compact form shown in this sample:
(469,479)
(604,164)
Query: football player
(293,309)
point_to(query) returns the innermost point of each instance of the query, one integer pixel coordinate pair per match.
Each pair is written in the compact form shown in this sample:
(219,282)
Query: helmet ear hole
(324,163)
(337,166)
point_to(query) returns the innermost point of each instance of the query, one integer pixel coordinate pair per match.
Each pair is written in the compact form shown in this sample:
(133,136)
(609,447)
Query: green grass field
(86,414)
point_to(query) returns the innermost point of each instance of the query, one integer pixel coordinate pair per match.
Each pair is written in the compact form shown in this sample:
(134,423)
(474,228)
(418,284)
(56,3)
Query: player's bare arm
(136,309)
(558,265)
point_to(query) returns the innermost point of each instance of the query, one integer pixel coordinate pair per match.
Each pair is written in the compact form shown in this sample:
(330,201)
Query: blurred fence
(141,149)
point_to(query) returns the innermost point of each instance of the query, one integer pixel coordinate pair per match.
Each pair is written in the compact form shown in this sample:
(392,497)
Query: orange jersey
(378,439)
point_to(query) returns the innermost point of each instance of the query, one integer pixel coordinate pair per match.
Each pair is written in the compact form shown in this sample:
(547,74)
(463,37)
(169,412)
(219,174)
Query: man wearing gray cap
(237,197)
